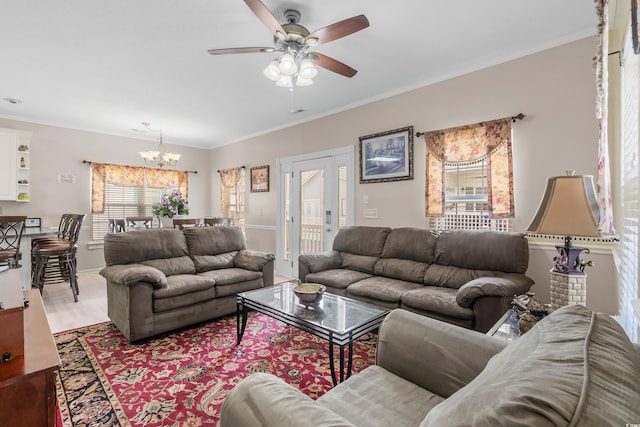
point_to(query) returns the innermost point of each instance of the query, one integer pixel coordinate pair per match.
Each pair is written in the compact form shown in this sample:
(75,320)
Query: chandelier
(158,158)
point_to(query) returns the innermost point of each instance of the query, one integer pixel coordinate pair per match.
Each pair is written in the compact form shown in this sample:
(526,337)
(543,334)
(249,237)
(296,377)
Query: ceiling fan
(294,41)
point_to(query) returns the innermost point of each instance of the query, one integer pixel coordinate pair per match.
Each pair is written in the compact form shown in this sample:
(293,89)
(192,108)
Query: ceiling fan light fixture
(301,81)
(288,64)
(285,81)
(272,72)
(307,69)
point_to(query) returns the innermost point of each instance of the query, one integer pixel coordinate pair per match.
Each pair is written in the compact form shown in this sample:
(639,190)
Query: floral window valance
(229,178)
(103,173)
(469,144)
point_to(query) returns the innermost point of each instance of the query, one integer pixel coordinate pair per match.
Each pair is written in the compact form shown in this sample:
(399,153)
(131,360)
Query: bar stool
(10,235)
(54,260)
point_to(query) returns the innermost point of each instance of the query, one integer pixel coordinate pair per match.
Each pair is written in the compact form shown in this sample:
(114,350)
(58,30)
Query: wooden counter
(27,383)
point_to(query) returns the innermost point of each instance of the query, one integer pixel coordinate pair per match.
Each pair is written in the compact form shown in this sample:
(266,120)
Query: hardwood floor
(64,314)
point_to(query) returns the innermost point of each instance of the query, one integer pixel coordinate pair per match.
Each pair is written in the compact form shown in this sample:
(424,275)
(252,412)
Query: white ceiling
(106,66)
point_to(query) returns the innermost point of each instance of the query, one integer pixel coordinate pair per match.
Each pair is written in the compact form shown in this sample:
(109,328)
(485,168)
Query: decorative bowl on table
(309,293)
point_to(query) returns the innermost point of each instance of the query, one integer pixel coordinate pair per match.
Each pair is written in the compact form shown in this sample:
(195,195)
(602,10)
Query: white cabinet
(14,165)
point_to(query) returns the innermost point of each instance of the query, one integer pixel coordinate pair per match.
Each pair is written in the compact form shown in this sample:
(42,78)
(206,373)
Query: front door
(316,200)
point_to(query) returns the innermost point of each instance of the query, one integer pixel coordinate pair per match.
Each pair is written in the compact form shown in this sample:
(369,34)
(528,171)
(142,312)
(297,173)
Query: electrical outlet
(371,213)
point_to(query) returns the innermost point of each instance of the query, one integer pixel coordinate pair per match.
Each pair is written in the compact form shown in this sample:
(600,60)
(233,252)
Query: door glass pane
(311,210)
(342,196)
(286,213)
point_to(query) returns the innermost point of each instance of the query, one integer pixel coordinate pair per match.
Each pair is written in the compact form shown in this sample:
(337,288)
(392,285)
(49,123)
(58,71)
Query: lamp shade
(569,207)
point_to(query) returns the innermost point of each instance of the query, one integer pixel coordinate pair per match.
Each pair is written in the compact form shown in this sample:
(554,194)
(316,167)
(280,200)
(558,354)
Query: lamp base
(568,289)
(568,261)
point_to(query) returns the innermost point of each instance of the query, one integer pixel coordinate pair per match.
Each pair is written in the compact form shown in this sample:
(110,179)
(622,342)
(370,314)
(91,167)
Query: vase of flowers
(170,206)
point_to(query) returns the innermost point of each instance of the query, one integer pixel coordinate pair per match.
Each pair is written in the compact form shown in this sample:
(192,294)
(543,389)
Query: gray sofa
(467,278)
(574,368)
(162,279)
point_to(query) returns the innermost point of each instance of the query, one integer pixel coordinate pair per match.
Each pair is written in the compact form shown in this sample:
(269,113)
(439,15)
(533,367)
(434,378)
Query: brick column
(568,289)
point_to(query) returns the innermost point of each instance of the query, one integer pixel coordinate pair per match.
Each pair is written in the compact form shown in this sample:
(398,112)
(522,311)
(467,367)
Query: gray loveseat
(467,278)
(574,368)
(162,279)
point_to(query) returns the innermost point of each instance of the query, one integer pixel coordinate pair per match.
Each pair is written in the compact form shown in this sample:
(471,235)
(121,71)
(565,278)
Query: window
(628,251)
(119,191)
(122,201)
(469,177)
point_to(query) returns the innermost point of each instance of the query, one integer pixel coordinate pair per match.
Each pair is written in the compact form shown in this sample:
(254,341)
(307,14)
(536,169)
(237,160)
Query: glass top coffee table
(337,319)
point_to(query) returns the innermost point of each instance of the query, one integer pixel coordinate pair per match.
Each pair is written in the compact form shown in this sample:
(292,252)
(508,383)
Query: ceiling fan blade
(240,50)
(337,30)
(331,64)
(267,18)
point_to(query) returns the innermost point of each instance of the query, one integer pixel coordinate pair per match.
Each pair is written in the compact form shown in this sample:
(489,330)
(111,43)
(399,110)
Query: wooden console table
(27,383)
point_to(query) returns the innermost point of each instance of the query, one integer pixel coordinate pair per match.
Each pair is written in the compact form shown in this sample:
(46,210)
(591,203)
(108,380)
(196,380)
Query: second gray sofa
(163,279)
(467,278)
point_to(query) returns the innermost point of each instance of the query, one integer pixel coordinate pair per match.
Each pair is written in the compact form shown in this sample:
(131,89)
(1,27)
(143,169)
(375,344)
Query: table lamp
(568,208)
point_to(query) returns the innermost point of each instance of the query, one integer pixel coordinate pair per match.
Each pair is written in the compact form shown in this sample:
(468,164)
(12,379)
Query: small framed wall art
(387,156)
(260,179)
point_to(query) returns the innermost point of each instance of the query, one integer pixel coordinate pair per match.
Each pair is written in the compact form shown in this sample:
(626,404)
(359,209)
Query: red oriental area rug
(182,378)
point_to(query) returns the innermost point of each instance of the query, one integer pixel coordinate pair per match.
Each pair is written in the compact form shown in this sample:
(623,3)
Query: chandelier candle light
(158,158)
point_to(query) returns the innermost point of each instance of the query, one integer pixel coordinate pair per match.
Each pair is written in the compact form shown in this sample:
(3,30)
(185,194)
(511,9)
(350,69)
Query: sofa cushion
(227,279)
(171,266)
(401,269)
(416,244)
(436,300)
(453,277)
(362,263)
(213,262)
(337,278)
(129,248)
(382,289)
(569,369)
(185,300)
(360,240)
(183,284)
(483,250)
(213,240)
(376,397)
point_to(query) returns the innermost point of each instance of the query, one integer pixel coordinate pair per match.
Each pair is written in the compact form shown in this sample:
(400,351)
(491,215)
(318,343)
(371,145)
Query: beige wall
(60,150)
(554,88)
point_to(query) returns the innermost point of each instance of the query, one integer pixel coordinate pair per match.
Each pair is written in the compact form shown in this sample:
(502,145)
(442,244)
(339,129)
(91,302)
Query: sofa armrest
(265,400)
(128,274)
(252,260)
(485,287)
(312,263)
(432,354)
